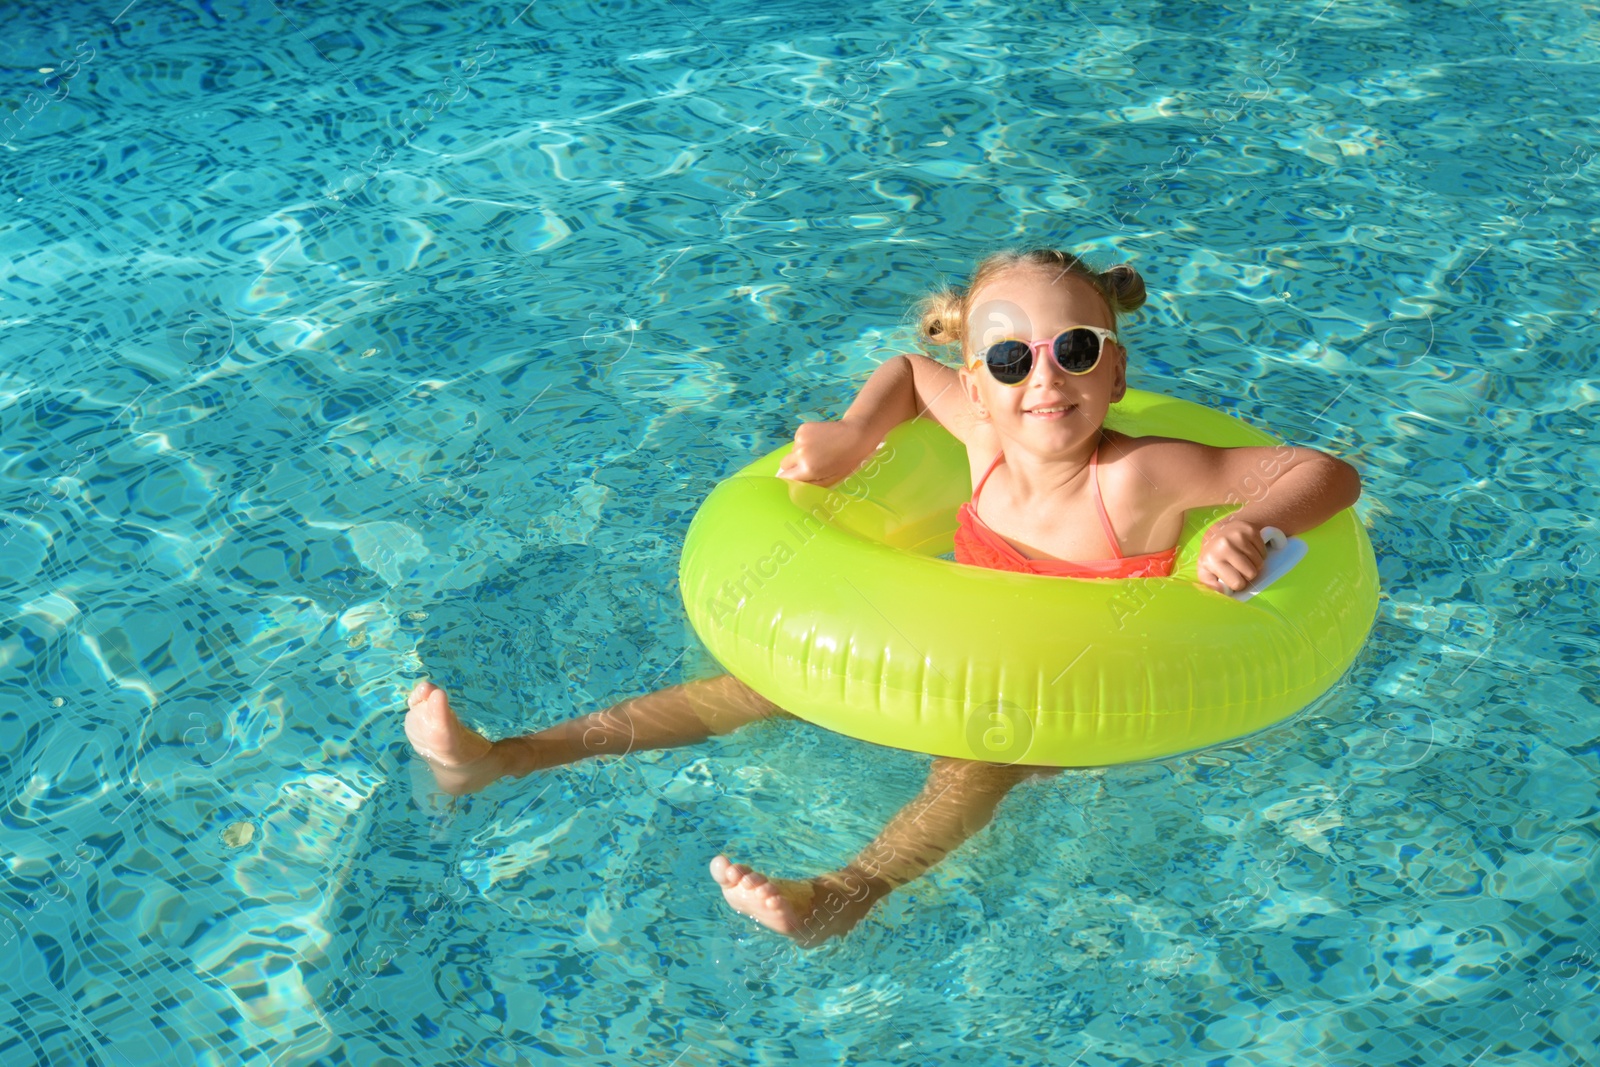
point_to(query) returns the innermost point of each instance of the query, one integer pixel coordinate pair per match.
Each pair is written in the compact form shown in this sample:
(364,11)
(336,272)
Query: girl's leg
(464,761)
(958,800)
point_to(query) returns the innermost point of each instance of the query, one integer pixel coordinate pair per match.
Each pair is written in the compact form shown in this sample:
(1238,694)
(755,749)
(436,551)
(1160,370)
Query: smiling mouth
(1051,411)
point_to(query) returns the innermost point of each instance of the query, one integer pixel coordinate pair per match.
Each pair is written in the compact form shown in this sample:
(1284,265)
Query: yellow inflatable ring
(834,604)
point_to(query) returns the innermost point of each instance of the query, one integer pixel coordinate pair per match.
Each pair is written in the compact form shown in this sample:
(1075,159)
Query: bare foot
(810,911)
(463,760)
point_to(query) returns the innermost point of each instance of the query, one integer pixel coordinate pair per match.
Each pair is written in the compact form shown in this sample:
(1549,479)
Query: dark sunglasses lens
(1078,350)
(1009,361)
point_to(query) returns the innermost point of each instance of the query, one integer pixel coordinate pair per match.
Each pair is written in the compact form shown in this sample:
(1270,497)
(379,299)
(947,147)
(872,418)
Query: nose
(1045,367)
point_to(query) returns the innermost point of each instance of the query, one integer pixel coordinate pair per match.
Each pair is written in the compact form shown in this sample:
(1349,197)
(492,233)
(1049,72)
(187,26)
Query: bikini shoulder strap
(1105,520)
(998,457)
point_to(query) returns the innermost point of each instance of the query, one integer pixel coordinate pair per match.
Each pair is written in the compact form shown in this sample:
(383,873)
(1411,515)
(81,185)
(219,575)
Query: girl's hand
(825,452)
(1231,555)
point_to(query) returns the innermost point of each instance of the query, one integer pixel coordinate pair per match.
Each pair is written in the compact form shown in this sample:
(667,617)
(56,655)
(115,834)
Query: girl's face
(1050,411)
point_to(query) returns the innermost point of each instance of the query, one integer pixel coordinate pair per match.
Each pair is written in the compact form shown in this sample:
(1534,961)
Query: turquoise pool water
(348,343)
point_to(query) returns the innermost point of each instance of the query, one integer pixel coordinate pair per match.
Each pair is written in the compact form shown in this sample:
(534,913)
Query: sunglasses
(1077,351)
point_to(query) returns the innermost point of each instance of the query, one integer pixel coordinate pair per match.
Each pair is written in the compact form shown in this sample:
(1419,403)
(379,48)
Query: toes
(736,876)
(726,872)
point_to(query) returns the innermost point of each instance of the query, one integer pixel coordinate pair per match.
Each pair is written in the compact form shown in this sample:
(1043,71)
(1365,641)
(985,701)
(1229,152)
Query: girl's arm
(903,388)
(1294,489)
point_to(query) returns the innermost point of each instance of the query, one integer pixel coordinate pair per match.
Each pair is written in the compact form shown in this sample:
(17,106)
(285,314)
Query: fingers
(1234,578)
(797,466)
(1227,575)
(1232,558)
(823,453)
(804,469)
(1247,543)
(797,470)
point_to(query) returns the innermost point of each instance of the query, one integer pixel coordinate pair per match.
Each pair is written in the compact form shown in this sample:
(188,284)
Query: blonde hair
(944,313)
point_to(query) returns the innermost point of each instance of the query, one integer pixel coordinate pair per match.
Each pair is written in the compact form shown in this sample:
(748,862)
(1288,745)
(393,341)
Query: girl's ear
(1119,384)
(969,385)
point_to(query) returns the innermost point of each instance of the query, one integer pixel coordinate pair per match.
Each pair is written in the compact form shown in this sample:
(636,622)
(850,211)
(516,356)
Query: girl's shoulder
(1148,447)
(1153,446)
(1144,467)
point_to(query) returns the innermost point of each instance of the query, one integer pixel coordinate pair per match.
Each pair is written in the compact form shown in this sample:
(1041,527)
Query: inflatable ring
(834,604)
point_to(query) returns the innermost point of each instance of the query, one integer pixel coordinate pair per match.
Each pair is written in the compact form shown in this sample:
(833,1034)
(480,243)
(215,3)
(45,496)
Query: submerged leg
(957,801)
(464,761)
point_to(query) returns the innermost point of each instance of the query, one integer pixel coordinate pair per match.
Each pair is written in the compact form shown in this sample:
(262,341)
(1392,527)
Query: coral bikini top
(980,546)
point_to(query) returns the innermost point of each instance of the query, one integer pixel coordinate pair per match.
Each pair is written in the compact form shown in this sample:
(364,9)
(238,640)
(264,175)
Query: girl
(1041,364)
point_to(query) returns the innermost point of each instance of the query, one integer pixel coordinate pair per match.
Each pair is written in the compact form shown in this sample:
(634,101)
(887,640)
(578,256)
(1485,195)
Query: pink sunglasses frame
(1045,348)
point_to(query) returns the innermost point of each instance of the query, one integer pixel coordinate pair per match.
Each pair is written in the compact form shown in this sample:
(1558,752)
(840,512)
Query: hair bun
(943,316)
(1127,285)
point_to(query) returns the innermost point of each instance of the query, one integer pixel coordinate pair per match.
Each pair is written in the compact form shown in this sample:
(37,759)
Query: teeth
(1041,411)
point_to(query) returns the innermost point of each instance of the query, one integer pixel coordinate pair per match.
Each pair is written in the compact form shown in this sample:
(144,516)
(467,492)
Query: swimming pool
(348,343)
